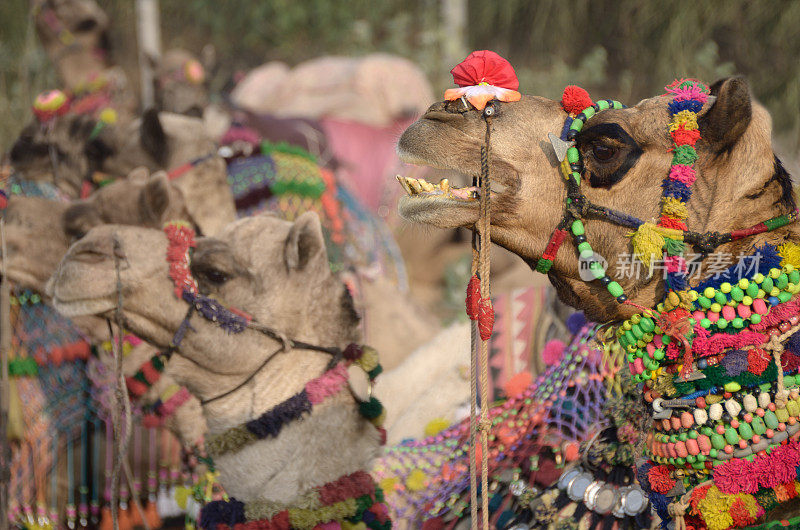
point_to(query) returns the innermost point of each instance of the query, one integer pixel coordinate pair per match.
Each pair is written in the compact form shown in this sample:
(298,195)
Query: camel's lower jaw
(440,204)
(84,307)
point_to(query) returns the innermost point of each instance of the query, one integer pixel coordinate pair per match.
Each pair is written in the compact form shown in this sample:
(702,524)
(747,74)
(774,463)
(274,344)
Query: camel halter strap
(577,207)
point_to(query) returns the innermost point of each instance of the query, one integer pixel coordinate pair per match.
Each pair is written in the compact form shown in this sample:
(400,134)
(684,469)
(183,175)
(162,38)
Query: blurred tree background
(626,49)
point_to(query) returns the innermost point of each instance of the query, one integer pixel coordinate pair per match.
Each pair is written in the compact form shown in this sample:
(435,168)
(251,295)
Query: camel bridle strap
(577,208)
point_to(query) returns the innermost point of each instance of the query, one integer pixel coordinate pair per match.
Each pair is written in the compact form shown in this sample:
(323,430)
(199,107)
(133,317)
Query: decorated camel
(417,474)
(274,465)
(704,343)
(75,36)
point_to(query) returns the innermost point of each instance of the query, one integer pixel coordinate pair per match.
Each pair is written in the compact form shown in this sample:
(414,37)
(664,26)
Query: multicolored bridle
(688,98)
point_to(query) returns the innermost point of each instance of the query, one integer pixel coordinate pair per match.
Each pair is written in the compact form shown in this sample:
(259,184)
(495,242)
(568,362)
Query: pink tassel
(328,384)
(683,173)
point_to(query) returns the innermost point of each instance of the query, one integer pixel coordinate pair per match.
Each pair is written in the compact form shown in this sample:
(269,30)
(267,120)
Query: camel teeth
(403,182)
(416,187)
(444,185)
(426,186)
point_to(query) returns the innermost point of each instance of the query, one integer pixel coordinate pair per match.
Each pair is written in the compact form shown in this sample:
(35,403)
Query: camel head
(181,85)
(74,34)
(57,153)
(626,157)
(274,270)
(278,273)
(39,231)
(169,142)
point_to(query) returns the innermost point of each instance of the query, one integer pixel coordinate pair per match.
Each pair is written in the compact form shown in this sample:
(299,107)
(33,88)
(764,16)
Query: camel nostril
(194,111)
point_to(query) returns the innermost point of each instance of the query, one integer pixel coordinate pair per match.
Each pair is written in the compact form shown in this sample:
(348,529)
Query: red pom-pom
(575,99)
(660,480)
(485,67)
(473,297)
(485,318)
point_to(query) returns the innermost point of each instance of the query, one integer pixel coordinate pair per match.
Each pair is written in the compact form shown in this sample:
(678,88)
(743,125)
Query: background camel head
(74,34)
(626,156)
(181,82)
(274,270)
(58,153)
(39,231)
(168,141)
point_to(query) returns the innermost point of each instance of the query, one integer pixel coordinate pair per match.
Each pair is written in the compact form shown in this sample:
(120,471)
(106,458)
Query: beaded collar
(352,501)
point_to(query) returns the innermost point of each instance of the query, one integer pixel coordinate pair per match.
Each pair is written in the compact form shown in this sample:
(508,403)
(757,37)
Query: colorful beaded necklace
(730,416)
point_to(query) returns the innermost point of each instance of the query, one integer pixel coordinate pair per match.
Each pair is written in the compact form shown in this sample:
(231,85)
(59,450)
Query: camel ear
(155,197)
(305,244)
(728,118)
(139,175)
(152,137)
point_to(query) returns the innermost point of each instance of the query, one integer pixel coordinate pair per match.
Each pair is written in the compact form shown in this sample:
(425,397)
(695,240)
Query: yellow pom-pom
(674,208)
(790,252)
(686,118)
(388,484)
(377,422)
(182,496)
(108,115)
(416,480)
(369,359)
(435,426)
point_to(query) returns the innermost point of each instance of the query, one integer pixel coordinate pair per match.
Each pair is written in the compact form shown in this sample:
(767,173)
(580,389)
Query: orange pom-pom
(575,99)
(136,515)
(473,297)
(517,384)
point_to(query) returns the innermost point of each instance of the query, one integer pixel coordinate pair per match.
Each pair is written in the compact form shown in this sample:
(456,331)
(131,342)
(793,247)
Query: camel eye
(214,276)
(489,110)
(603,153)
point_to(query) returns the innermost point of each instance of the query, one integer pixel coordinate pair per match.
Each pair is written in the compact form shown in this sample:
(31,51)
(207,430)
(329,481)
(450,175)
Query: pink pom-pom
(575,99)
(683,173)
(553,352)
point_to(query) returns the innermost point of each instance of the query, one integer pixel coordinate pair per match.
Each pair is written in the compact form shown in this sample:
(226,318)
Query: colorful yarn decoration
(575,99)
(688,98)
(347,502)
(50,105)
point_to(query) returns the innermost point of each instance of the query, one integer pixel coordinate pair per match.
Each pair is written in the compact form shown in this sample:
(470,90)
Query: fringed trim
(181,239)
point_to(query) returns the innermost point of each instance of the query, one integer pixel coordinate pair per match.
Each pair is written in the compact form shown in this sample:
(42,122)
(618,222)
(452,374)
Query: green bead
(731,436)
(597,269)
(602,104)
(752,290)
(745,431)
(784,297)
(577,224)
(755,318)
(666,339)
(647,324)
(794,277)
(721,298)
(577,125)
(737,294)
(693,435)
(708,431)
(658,354)
(704,302)
(584,247)
(717,441)
(588,112)
(722,323)
(683,437)
(573,156)
(782,414)
(706,323)
(732,386)
(713,452)
(738,323)
(767,284)
(789,381)
(782,281)
(771,419)
(615,289)
(758,425)
(617,105)
(577,178)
